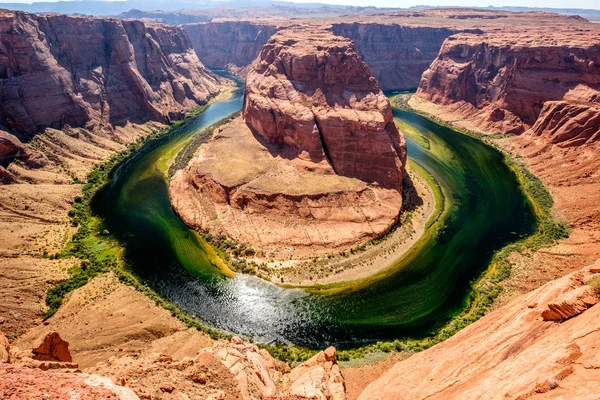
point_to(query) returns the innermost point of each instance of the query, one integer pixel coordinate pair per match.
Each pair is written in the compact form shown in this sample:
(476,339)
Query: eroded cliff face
(397,55)
(311,93)
(315,165)
(57,70)
(507,82)
(540,346)
(231,45)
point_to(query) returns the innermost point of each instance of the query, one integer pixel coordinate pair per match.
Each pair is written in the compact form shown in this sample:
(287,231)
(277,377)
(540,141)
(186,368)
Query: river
(483,210)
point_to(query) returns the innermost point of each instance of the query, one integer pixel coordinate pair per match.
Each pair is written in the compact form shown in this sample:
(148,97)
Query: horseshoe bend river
(483,210)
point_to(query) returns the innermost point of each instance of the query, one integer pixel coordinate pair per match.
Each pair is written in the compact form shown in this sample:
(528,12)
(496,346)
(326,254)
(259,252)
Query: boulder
(318,378)
(52,348)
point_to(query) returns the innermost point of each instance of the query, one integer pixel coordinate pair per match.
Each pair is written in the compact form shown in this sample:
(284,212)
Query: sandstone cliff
(318,164)
(540,346)
(57,70)
(231,45)
(311,93)
(397,55)
(506,82)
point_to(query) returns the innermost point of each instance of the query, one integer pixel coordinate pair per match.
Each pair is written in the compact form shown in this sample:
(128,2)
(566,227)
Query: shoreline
(375,258)
(362,261)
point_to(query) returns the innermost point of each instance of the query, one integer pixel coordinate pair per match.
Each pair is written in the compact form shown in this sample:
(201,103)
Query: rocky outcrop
(507,82)
(311,93)
(52,348)
(318,378)
(569,123)
(57,70)
(315,166)
(397,55)
(22,383)
(514,352)
(231,45)
(231,370)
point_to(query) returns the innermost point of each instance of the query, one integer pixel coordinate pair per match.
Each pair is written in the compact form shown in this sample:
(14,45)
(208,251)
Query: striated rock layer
(57,70)
(317,165)
(542,345)
(504,82)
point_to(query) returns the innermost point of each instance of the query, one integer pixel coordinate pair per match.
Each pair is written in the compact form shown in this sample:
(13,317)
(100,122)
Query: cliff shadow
(410,197)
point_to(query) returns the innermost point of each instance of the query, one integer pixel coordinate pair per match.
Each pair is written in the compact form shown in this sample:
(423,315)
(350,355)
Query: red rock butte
(318,164)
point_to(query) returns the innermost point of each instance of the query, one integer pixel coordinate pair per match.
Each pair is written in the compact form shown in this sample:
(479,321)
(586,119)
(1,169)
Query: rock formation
(22,383)
(232,370)
(507,82)
(312,94)
(231,45)
(309,379)
(318,164)
(52,348)
(516,352)
(57,70)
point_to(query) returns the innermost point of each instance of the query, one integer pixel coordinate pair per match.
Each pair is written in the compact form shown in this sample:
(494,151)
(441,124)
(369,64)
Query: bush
(595,283)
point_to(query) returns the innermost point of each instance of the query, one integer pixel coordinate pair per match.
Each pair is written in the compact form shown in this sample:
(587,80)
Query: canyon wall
(57,70)
(231,45)
(540,346)
(315,165)
(506,82)
(397,55)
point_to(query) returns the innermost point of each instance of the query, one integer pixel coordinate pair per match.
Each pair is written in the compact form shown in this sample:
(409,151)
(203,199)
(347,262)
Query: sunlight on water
(484,210)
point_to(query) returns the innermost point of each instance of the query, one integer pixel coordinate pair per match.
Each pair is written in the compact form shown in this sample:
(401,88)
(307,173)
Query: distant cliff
(232,45)
(58,70)
(397,55)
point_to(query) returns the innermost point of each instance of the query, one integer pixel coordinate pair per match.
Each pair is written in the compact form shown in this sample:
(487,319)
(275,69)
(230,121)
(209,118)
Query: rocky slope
(95,73)
(540,346)
(319,161)
(231,45)
(397,55)
(154,357)
(506,82)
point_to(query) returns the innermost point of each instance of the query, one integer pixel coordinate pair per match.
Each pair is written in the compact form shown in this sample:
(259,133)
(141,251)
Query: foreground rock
(52,348)
(22,383)
(94,73)
(516,352)
(227,370)
(316,164)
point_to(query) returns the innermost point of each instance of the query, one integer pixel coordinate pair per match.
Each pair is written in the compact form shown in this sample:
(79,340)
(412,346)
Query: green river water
(483,210)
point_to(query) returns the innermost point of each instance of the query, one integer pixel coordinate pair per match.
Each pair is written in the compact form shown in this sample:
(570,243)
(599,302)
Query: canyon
(529,81)
(303,177)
